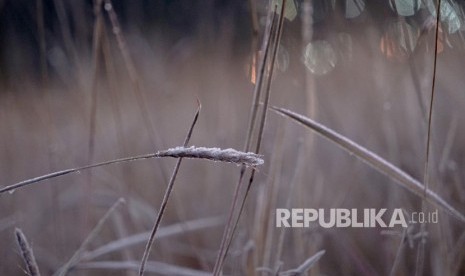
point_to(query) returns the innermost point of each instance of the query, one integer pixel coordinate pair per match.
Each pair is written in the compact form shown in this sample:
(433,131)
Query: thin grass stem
(92,235)
(166,196)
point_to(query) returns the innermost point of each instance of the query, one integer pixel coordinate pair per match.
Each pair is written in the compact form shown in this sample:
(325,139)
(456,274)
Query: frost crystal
(215,154)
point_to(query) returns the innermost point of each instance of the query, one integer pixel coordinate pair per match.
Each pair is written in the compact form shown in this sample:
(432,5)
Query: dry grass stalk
(139,92)
(216,154)
(270,46)
(426,176)
(163,232)
(168,191)
(248,159)
(250,131)
(275,37)
(26,253)
(78,253)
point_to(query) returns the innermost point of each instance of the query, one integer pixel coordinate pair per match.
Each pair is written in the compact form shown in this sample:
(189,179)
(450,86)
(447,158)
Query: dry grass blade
(215,154)
(26,253)
(166,196)
(77,255)
(275,47)
(374,161)
(152,267)
(267,41)
(303,268)
(273,44)
(431,103)
(426,177)
(250,130)
(275,37)
(163,232)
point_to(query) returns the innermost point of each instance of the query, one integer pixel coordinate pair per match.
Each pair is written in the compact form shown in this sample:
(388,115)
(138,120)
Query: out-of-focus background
(82,83)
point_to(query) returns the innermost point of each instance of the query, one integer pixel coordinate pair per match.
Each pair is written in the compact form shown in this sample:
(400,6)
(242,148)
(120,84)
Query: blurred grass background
(57,111)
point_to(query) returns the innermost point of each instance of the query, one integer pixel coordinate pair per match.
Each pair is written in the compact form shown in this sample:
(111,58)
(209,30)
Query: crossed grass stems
(244,158)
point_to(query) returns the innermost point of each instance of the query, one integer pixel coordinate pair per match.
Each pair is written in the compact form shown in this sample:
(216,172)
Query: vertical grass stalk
(168,191)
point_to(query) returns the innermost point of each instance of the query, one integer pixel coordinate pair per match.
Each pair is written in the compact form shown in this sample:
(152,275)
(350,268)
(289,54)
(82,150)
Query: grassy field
(99,87)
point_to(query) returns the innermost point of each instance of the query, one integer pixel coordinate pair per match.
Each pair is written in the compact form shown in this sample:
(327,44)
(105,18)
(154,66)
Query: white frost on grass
(216,154)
